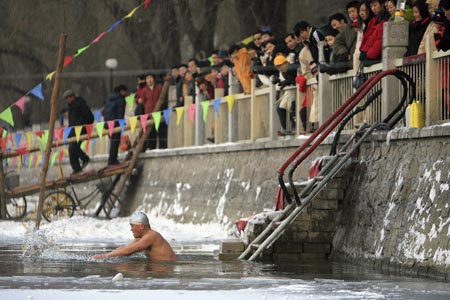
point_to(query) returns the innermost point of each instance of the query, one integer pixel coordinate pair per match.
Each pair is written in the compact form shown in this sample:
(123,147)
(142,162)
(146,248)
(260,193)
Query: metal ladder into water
(339,159)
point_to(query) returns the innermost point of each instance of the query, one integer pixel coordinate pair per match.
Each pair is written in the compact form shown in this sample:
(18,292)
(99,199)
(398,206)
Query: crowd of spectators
(347,41)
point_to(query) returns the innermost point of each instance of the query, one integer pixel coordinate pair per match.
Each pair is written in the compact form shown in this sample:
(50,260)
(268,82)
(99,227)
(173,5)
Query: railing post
(2,188)
(199,125)
(274,123)
(233,121)
(395,41)
(324,97)
(431,83)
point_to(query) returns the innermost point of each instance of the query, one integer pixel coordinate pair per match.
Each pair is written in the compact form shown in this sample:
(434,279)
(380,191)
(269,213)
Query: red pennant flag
(21,151)
(111,127)
(39,133)
(89,128)
(143,119)
(146,3)
(59,135)
(3,143)
(61,155)
(67,60)
(20,103)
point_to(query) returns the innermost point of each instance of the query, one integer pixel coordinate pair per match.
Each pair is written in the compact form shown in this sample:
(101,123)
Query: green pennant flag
(6,116)
(54,156)
(30,161)
(99,127)
(83,146)
(81,50)
(157,117)
(130,100)
(4,133)
(43,140)
(205,107)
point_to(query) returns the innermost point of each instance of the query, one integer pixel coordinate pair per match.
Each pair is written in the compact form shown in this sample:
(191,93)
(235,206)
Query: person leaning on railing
(443,38)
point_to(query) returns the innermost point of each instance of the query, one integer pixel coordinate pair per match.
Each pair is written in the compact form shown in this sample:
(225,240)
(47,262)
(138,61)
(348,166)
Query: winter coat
(114,107)
(372,41)
(150,97)
(344,44)
(416,32)
(79,113)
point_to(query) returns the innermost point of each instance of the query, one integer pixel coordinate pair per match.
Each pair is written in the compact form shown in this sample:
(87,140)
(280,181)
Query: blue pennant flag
(66,133)
(122,125)
(217,105)
(18,138)
(114,25)
(166,113)
(37,91)
(98,115)
(24,160)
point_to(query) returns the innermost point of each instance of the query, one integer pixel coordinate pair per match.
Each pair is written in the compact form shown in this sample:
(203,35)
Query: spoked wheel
(16,208)
(110,206)
(57,205)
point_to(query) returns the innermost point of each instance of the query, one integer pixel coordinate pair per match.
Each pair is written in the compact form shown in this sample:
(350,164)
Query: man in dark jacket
(114,110)
(79,113)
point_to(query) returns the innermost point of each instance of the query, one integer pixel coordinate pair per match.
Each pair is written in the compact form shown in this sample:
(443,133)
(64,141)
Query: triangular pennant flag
(111,127)
(37,91)
(21,151)
(143,118)
(89,128)
(83,146)
(14,161)
(133,123)
(217,106)
(122,126)
(50,75)
(81,50)
(20,103)
(29,136)
(191,112)
(25,160)
(166,115)
(78,132)
(114,25)
(179,111)
(59,135)
(146,3)
(30,161)
(230,99)
(131,13)
(4,133)
(205,108)
(98,38)
(130,101)
(18,137)
(67,60)
(99,128)
(67,132)
(39,133)
(157,117)
(98,115)
(38,160)
(6,116)
(60,156)
(54,156)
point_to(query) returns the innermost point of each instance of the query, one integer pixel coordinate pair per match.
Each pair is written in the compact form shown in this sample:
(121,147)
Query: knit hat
(279,60)
(68,93)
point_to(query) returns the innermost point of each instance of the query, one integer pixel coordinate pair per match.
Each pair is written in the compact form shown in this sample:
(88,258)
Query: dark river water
(66,271)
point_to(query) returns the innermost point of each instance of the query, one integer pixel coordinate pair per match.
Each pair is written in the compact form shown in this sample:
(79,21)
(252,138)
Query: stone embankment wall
(396,209)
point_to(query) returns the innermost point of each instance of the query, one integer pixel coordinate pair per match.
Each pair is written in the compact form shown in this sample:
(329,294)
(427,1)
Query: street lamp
(111,64)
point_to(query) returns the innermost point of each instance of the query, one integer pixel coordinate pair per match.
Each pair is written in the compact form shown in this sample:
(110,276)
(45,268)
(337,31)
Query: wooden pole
(2,190)
(53,112)
(141,143)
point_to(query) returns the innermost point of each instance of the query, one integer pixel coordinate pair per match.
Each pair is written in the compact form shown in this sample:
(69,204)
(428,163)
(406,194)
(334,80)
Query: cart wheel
(112,207)
(16,208)
(58,204)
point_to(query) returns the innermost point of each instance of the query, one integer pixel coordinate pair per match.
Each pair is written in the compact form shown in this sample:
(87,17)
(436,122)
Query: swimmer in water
(146,240)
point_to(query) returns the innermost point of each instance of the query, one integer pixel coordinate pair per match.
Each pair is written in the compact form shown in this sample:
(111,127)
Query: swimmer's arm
(133,247)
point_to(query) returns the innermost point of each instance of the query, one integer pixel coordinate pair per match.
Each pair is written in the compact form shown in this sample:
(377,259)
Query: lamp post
(111,64)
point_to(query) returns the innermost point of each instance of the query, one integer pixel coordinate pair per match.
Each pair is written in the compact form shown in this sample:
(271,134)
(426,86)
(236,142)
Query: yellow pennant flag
(50,75)
(38,160)
(247,40)
(180,111)
(133,123)
(78,132)
(230,100)
(29,136)
(99,127)
(131,13)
